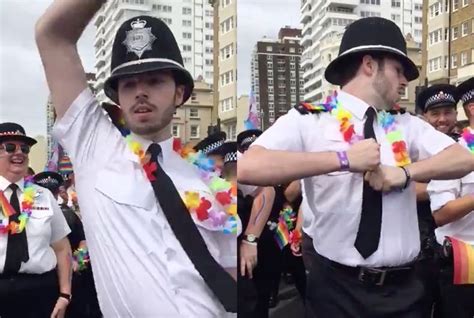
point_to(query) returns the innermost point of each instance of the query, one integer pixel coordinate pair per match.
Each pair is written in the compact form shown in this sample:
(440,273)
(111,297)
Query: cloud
(23,88)
(257,19)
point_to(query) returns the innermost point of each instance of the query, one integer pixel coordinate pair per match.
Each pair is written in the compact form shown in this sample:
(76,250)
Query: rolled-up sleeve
(85,132)
(443,191)
(284,134)
(425,140)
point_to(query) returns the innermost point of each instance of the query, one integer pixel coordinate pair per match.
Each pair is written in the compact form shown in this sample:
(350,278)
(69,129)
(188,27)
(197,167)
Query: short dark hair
(353,63)
(229,170)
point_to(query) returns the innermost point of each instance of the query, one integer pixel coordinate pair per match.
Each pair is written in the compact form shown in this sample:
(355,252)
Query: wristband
(343,160)
(68,297)
(407,177)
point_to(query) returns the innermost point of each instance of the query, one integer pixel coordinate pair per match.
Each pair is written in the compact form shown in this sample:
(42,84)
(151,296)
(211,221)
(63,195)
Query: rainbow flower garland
(29,194)
(223,215)
(346,127)
(468,137)
(81,256)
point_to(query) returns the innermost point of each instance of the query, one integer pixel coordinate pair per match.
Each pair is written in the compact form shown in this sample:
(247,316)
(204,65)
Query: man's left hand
(60,308)
(386,178)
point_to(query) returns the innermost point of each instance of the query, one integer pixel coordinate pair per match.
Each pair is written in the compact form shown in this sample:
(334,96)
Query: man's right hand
(364,155)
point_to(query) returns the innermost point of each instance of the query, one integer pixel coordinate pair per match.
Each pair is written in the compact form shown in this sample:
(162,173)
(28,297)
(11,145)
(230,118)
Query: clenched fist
(386,178)
(364,155)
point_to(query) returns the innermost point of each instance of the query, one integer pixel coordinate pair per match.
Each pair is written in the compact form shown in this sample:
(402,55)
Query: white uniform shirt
(443,191)
(45,226)
(140,268)
(335,199)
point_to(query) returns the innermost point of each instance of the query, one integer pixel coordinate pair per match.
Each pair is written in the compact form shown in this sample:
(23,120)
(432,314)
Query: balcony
(100,17)
(306,16)
(344,3)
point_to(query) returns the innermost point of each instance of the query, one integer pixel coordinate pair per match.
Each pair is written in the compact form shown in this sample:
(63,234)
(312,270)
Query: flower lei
(223,191)
(29,194)
(346,127)
(468,137)
(81,256)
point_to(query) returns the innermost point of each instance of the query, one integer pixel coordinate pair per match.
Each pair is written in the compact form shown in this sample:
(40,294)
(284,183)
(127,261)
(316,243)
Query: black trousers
(294,265)
(456,300)
(332,292)
(84,302)
(428,272)
(28,295)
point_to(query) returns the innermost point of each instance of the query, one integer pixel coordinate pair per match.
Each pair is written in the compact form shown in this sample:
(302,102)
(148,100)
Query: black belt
(26,275)
(377,276)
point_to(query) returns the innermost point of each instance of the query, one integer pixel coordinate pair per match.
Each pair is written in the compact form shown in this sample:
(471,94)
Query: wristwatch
(250,238)
(66,296)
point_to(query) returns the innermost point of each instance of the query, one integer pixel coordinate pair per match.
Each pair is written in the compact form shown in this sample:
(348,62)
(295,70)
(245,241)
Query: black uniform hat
(211,143)
(145,44)
(246,138)
(14,132)
(366,35)
(438,95)
(49,180)
(229,151)
(466,91)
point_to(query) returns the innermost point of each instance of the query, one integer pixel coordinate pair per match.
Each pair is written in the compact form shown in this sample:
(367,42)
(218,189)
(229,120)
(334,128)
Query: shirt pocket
(39,224)
(126,189)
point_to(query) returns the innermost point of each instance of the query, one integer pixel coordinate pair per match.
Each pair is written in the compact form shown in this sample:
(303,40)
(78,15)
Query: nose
(403,80)
(141,91)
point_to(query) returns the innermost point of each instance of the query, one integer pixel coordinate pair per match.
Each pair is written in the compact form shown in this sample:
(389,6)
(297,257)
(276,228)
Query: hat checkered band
(12,133)
(230,157)
(467,96)
(213,146)
(439,98)
(248,140)
(48,180)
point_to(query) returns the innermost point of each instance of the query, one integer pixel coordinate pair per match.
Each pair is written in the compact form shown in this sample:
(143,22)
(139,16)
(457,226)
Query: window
(225,3)
(455,5)
(374,2)
(209,37)
(418,19)
(187,60)
(463,58)
(187,48)
(434,64)
(454,61)
(435,36)
(209,49)
(446,62)
(193,96)
(269,48)
(227,78)
(175,130)
(292,50)
(187,23)
(187,11)
(227,52)
(455,33)
(395,3)
(464,28)
(465,3)
(186,35)
(208,62)
(167,20)
(194,131)
(446,34)
(227,104)
(208,13)
(405,93)
(365,14)
(418,6)
(227,25)
(395,17)
(194,112)
(435,9)
(209,25)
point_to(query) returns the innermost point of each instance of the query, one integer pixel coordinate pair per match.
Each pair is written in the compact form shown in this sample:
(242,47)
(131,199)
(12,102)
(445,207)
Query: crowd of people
(367,206)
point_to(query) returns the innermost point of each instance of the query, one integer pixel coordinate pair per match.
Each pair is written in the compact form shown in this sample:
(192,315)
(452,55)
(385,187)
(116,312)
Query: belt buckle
(381,275)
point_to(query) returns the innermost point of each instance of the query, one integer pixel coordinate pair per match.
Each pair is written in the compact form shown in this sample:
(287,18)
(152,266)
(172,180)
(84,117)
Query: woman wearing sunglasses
(35,255)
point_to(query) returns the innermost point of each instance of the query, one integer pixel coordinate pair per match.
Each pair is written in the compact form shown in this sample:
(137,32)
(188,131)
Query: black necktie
(368,236)
(17,246)
(219,281)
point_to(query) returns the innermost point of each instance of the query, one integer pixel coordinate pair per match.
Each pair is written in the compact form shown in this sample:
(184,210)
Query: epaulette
(306,108)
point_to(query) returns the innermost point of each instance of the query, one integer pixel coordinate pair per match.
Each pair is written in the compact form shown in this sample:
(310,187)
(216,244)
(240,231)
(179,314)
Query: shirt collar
(353,104)
(4,183)
(166,146)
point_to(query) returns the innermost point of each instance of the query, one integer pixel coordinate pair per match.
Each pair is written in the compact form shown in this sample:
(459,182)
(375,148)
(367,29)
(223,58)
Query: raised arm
(57,32)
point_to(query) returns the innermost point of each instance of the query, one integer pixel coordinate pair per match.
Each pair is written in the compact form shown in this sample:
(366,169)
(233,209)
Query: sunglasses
(12,148)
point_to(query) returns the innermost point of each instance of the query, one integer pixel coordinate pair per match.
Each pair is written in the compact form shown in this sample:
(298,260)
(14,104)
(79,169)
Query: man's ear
(179,95)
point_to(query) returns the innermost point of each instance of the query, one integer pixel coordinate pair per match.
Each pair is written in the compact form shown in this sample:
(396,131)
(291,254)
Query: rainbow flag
(463,259)
(282,236)
(5,208)
(65,165)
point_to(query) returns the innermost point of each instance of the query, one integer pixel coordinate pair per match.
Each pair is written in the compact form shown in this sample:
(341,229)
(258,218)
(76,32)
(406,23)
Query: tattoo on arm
(260,210)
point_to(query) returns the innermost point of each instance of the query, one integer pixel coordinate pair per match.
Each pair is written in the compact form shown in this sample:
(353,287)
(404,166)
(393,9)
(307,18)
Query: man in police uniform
(359,191)
(211,147)
(452,203)
(438,104)
(151,257)
(35,262)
